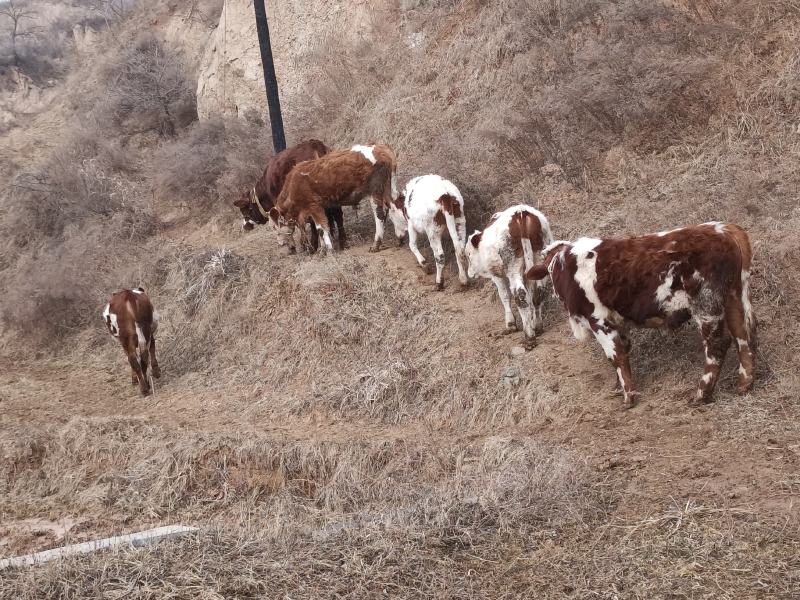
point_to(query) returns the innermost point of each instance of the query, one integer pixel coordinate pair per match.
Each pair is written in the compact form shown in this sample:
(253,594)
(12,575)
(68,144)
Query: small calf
(129,316)
(503,251)
(659,280)
(431,204)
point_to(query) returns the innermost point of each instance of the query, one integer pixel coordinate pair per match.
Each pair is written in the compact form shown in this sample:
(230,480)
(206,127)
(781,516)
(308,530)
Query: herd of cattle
(605,285)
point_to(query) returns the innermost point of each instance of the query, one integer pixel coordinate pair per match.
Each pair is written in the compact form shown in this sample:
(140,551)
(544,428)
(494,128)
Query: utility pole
(270,81)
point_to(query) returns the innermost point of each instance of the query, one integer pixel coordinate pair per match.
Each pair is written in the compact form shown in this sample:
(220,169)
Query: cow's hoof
(529,343)
(375,248)
(440,286)
(509,329)
(146,392)
(700,399)
(157,372)
(539,329)
(134,382)
(631,401)
(744,386)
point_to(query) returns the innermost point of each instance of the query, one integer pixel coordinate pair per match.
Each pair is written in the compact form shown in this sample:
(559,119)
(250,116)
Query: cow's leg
(378,213)
(153,359)
(537,299)
(323,227)
(412,244)
(616,346)
(313,245)
(716,340)
(505,298)
(435,239)
(130,345)
(338,218)
(521,290)
(737,325)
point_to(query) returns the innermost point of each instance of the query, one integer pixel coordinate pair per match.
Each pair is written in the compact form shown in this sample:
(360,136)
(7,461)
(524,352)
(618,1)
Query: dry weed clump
(210,163)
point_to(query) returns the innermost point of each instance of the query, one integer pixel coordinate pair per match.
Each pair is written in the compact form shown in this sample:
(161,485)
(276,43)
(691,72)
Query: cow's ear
(537,272)
(475,239)
(241,201)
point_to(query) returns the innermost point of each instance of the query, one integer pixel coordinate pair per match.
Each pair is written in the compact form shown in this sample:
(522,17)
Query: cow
(503,252)
(432,205)
(659,280)
(340,178)
(256,202)
(130,317)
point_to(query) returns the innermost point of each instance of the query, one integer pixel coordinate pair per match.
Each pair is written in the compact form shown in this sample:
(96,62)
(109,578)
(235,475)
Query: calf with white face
(503,252)
(432,205)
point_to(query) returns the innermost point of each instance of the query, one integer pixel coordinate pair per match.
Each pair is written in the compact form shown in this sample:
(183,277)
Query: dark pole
(270,81)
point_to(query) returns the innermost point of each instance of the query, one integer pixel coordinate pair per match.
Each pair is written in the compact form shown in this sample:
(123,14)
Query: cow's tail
(746,252)
(380,185)
(457,236)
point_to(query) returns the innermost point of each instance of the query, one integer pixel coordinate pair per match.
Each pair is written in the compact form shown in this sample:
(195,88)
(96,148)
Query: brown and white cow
(659,280)
(129,316)
(256,202)
(432,205)
(340,178)
(503,252)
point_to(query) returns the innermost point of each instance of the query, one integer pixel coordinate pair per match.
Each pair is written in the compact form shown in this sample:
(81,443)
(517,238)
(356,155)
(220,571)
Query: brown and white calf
(340,178)
(509,246)
(129,316)
(256,202)
(659,280)
(432,205)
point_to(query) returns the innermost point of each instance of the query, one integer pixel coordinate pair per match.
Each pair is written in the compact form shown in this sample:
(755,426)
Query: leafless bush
(211,160)
(148,88)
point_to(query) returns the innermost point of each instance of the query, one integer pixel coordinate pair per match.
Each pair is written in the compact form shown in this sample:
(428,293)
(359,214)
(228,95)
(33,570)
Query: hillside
(335,426)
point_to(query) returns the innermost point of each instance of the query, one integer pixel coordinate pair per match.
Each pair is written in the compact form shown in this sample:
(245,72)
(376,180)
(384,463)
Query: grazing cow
(129,316)
(256,202)
(659,280)
(431,205)
(340,178)
(503,251)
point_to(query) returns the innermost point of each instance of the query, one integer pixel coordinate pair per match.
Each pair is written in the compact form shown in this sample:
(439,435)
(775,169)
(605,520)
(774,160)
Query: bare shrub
(148,88)
(211,161)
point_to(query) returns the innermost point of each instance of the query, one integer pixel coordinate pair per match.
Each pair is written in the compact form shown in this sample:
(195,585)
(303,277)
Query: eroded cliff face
(230,79)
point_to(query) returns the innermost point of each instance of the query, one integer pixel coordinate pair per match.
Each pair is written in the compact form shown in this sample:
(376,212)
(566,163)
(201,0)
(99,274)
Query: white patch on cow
(607,342)
(586,275)
(742,371)
(394,186)
(711,360)
(246,222)
(138,291)
(580,328)
(668,300)
(156,317)
(742,343)
(140,339)
(718,226)
(367,151)
(667,232)
(111,320)
(706,378)
(748,307)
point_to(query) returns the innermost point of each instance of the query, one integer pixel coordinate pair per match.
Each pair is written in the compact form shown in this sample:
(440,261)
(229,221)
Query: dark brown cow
(256,202)
(129,316)
(659,280)
(340,178)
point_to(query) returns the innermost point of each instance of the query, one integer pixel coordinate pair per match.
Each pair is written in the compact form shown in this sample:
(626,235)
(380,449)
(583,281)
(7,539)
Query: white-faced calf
(432,205)
(129,316)
(659,280)
(507,247)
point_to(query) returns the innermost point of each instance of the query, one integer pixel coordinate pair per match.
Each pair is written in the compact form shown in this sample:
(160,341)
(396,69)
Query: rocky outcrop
(230,80)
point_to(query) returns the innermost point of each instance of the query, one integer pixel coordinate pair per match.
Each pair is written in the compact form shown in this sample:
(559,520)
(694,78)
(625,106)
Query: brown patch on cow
(439,219)
(475,239)
(450,205)
(525,225)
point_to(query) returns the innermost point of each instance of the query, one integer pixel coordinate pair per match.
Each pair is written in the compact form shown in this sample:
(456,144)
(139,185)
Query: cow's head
(397,214)
(248,204)
(552,255)
(473,254)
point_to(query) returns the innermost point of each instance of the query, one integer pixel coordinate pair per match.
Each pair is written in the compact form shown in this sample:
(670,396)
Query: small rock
(510,377)
(517,351)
